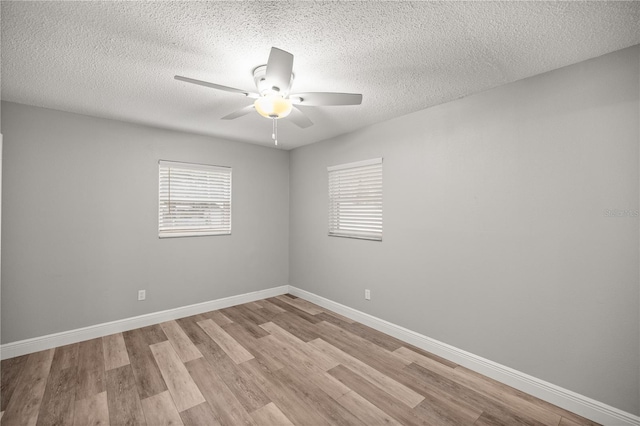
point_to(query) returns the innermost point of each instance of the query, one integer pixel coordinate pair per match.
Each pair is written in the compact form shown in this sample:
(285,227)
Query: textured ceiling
(117,59)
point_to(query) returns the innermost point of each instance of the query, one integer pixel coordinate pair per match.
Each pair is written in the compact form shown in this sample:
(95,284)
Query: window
(195,199)
(355,200)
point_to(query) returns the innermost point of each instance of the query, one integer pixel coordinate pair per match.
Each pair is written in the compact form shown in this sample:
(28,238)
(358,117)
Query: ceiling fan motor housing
(263,86)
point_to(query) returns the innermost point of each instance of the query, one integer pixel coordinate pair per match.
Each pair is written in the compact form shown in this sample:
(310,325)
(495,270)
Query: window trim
(347,166)
(194,232)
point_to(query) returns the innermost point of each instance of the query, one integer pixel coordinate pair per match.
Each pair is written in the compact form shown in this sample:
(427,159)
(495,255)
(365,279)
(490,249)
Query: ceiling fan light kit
(273,106)
(273,81)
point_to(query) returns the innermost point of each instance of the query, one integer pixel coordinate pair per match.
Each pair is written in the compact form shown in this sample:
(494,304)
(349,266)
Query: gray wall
(80,222)
(495,237)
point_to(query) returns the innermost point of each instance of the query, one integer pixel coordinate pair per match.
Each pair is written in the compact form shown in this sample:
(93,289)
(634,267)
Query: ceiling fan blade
(279,69)
(216,86)
(299,119)
(326,99)
(239,113)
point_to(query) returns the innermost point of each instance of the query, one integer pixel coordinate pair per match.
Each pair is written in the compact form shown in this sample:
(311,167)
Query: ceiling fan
(273,100)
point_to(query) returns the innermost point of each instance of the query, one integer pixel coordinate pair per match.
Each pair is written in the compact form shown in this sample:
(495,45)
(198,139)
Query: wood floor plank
(256,316)
(294,310)
(199,415)
(122,398)
(267,314)
(488,383)
(240,384)
(219,318)
(410,356)
(392,387)
(294,393)
(225,405)
(147,375)
(441,391)
(65,357)
(567,422)
(327,313)
(377,397)
(293,404)
(446,409)
(183,389)
(234,349)
(366,351)
(91,379)
(24,405)
(441,412)
(430,355)
(181,343)
(334,413)
(288,355)
(493,419)
(297,326)
(574,419)
(93,411)
(505,395)
(334,319)
(366,411)
(159,410)
(461,400)
(212,352)
(374,336)
(9,377)
(270,307)
(440,407)
(248,394)
(226,370)
(302,365)
(329,384)
(301,304)
(253,345)
(238,315)
(252,305)
(270,414)
(115,351)
(57,405)
(153,334)
(193,331)
(320,359)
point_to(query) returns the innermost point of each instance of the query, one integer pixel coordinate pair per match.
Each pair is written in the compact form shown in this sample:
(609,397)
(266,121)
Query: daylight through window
(195,200)
(355,200)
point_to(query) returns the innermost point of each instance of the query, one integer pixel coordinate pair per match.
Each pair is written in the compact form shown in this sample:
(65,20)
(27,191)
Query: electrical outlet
(142,294)
(367,294)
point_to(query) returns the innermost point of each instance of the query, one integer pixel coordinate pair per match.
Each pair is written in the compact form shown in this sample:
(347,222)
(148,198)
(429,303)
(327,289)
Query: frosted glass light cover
(273,106)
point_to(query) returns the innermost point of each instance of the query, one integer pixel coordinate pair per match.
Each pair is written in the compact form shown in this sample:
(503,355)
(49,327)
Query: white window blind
(195,199)
(355,200)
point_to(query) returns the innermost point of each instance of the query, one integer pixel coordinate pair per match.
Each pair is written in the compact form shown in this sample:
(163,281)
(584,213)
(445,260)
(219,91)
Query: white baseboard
(564,398)
(22,347)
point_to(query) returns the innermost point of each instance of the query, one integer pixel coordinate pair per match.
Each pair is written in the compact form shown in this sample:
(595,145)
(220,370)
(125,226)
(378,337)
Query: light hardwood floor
(279,361)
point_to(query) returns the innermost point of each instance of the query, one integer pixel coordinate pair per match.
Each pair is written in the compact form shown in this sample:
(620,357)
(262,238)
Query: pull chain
(274,135)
